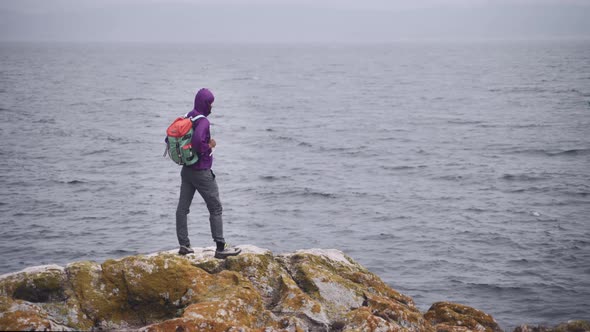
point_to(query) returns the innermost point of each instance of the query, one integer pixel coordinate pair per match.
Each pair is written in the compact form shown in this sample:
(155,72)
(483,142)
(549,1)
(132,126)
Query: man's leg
(187,192)
(207,187)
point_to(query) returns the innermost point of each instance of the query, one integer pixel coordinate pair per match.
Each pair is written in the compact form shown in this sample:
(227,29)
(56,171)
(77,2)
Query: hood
(203,101)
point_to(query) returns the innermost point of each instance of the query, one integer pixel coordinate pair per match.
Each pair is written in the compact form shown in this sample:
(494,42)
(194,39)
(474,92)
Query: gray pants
(204,182)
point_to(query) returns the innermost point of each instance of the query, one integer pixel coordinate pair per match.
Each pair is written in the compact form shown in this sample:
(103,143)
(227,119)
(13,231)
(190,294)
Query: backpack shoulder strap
(195,118)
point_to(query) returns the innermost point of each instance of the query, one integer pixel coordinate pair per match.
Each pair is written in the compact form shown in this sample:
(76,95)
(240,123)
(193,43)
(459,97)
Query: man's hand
(212,143)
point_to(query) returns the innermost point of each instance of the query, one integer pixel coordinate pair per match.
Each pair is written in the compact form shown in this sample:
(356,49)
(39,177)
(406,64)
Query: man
(199,177)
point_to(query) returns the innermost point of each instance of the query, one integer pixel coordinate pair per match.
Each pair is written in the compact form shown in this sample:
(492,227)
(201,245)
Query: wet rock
(454,317)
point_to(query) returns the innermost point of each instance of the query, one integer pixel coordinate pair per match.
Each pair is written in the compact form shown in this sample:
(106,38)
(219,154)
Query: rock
(571,326)
(47,287)
(308,290)
(100,300)
(340,286)
(18,315)
(38,284)
(453,317)
(362,319)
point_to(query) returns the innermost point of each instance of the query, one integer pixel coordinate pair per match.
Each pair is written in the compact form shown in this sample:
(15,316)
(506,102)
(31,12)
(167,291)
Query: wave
(338,149)
(28,214)
(576,193)
(81,103)
(291,139)
(550,188)
(538,89)
(474,209)
(120,252)
(518,191)
(272,178)
(495,288)
(137,212)
(583,94)
(572,152)
(463,122)
(553,153)
(305,192)
(379,237)
(93,218)
(44,121)
(523,177)
(283,138)
(95,152)
(21,183)
(245,78)
(576,91)
(518,89)
(487,125)
(137,99)
(531,288)
(517,126)
(450,177)
(312,193)
(530,125)
(70,182)
(402,167)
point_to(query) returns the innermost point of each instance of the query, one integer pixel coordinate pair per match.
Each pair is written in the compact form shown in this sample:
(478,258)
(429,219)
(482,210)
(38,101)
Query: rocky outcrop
(309,290)
(571,326)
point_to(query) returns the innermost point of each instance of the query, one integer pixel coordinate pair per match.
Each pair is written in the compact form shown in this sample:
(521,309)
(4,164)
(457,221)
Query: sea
(455,171)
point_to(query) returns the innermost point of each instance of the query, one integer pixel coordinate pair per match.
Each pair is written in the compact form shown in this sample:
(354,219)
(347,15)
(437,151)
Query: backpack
(178,141)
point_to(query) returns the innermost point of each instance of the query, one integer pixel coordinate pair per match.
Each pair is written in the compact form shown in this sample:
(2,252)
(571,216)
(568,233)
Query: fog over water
(292,21)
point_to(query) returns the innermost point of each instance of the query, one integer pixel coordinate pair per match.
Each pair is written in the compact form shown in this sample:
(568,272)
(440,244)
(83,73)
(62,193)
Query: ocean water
(454,171)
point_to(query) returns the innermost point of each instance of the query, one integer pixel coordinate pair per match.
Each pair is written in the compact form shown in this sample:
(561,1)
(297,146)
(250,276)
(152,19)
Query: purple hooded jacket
(202,136)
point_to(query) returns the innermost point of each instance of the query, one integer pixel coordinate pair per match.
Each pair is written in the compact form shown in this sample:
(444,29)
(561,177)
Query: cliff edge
(308,290)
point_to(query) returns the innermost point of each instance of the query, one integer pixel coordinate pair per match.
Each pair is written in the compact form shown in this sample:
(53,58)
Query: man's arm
(201,135)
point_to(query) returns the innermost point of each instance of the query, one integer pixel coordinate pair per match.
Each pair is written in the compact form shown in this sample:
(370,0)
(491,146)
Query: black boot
(185,250)
(224,250)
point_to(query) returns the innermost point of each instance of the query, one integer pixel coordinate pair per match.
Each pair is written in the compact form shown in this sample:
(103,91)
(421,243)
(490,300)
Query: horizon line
(303,42)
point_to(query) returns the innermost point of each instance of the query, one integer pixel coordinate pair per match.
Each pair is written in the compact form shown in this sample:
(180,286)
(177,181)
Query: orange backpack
(178,141)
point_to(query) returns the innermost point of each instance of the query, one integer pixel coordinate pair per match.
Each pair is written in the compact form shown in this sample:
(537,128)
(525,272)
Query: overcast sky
(292,21)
